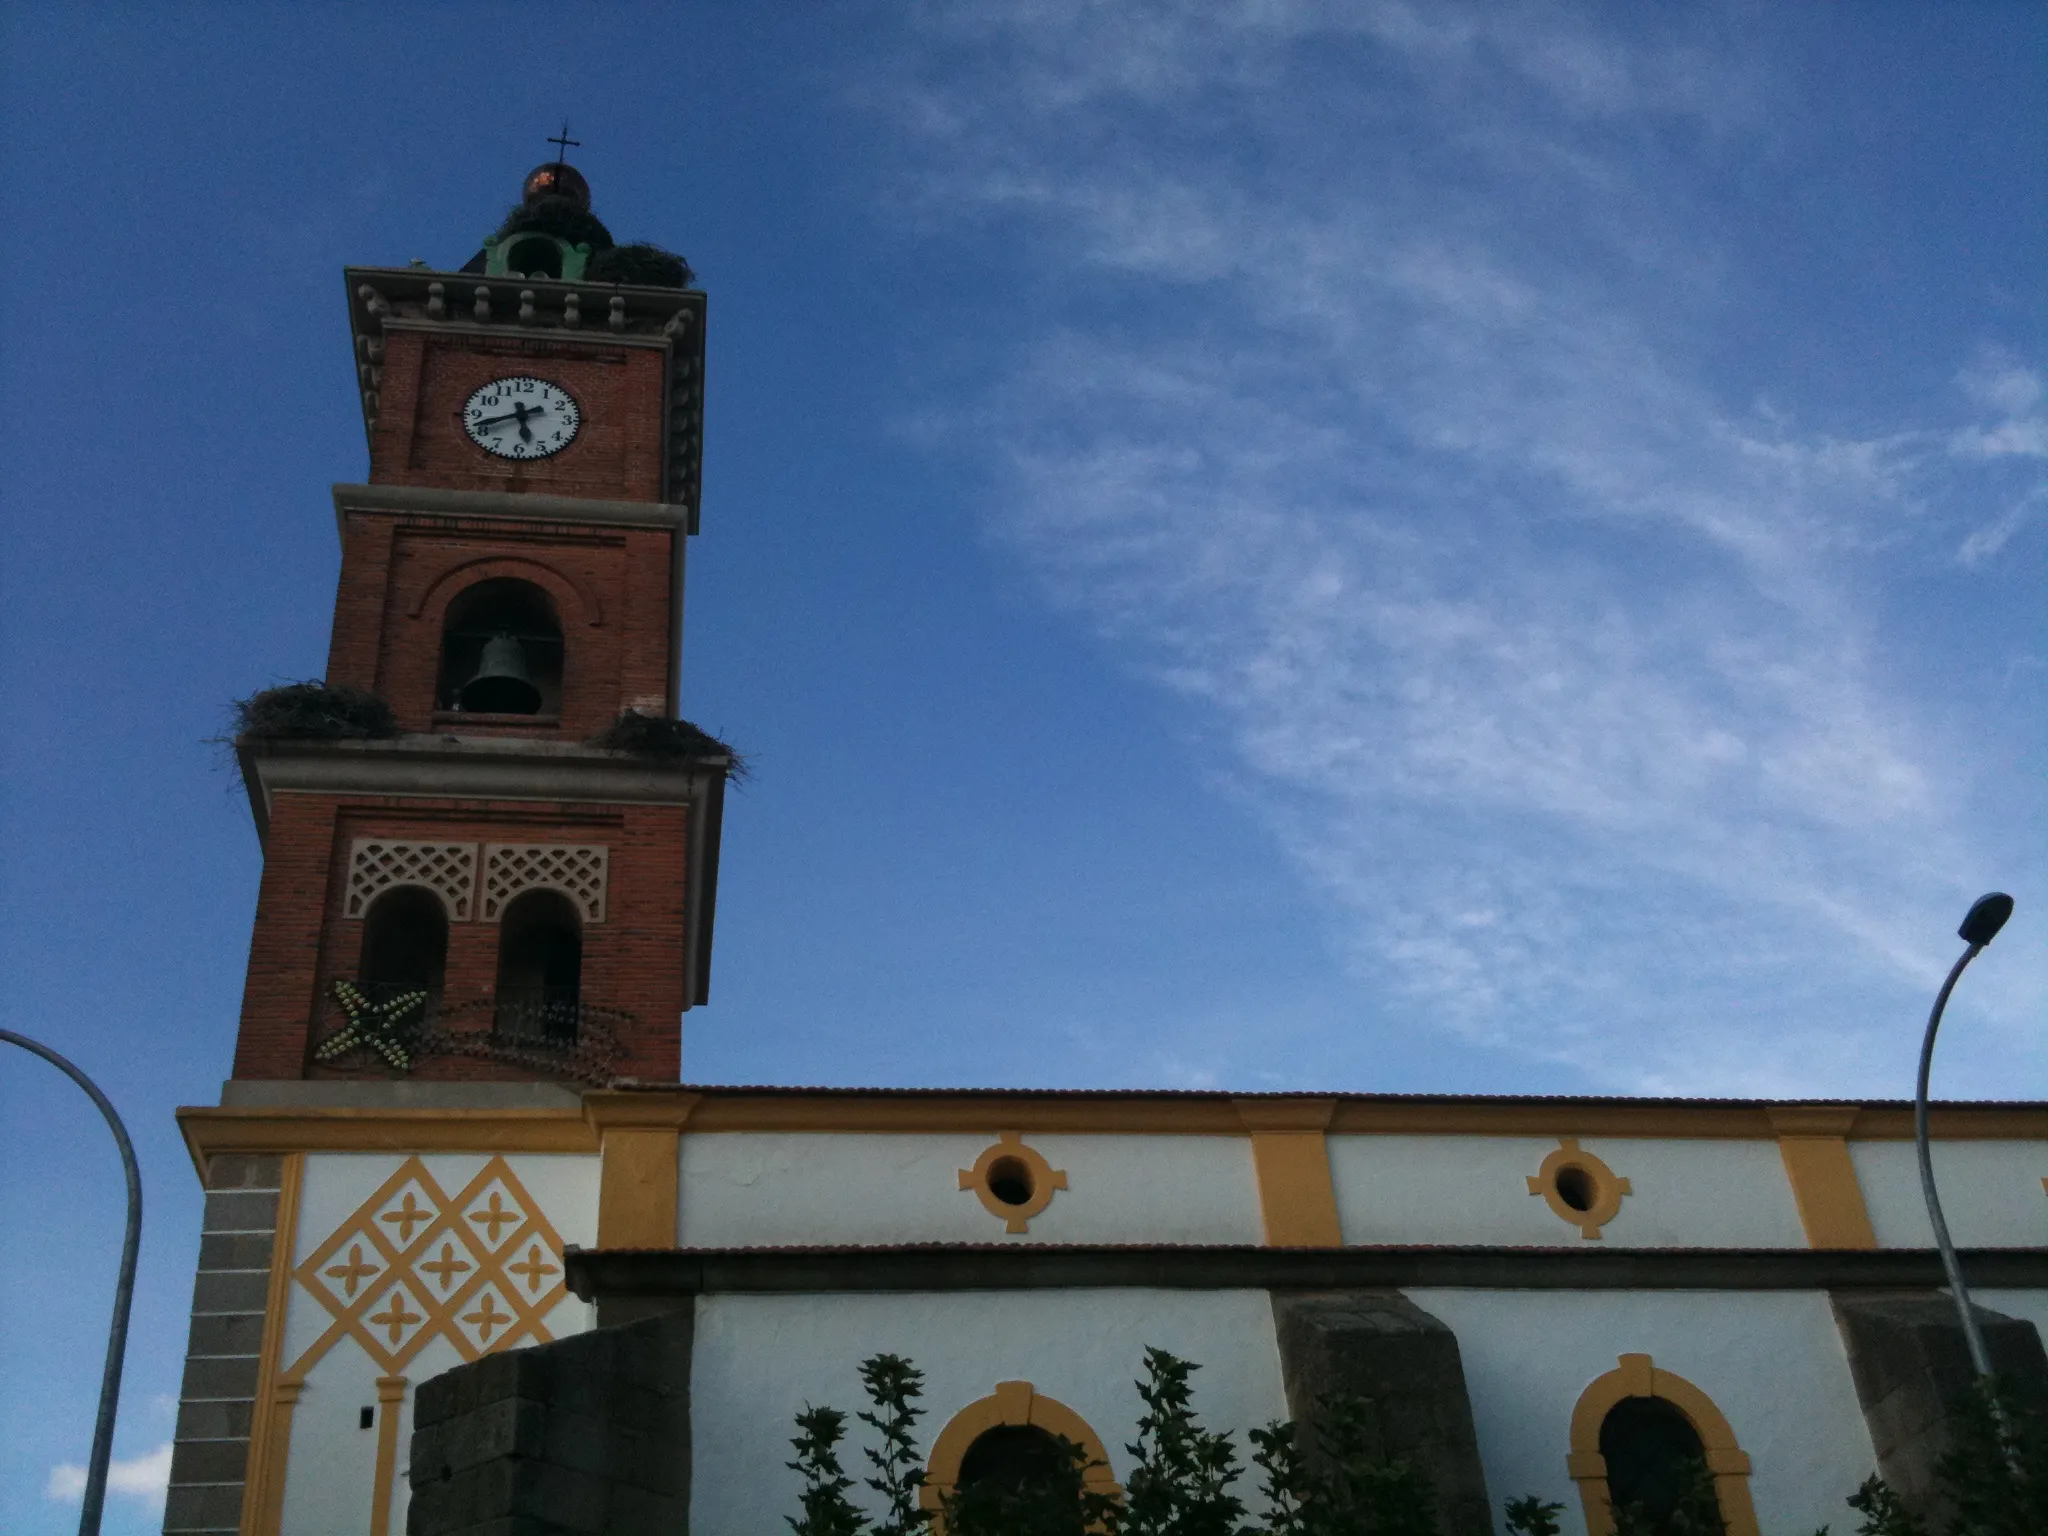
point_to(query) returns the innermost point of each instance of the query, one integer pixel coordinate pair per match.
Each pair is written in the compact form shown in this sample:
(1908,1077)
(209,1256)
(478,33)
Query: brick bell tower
(508,874)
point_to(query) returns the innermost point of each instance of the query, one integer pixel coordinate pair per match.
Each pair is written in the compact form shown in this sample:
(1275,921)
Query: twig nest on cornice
(313,711)
(671,740)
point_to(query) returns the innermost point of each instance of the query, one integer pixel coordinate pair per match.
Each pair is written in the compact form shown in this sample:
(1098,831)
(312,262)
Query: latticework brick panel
(579,871)
(376,865)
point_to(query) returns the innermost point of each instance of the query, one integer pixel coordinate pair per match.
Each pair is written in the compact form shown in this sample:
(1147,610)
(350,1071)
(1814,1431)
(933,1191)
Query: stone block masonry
(216,1404)
(1912,1370)
(587,1434)
(1404,1365)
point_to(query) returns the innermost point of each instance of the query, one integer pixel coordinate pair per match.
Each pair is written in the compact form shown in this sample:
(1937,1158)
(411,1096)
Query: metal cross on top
(566,143)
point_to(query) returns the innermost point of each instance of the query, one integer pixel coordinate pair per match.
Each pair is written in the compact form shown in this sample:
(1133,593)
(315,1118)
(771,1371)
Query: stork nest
(313,711)
(562,217)
(647,265)
(668,740)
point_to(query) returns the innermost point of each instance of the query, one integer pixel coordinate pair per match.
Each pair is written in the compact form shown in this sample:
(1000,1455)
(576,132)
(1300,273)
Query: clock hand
(519,412)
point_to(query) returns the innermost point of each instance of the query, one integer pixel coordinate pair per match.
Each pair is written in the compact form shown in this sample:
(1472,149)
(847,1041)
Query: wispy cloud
(141,1478)
(1365,408)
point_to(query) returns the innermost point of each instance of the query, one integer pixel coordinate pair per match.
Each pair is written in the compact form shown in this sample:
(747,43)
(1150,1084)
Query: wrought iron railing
(551,1033)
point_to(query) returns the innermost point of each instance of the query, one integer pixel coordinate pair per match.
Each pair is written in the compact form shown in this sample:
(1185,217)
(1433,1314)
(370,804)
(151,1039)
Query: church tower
(490,856)
(513,877)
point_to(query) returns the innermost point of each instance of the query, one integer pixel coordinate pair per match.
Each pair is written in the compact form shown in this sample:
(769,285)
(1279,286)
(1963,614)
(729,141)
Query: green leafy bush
(1182,1476)
(1179,1483)
(826,1509)
(1697,1513)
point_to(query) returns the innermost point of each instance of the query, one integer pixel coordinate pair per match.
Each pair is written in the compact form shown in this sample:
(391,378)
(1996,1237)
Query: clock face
(522,418)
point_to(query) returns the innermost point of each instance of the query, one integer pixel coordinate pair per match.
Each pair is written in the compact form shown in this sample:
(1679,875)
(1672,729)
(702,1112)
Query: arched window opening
(501,651)
(1656,1462)
(540,968)
(1641,1437)
(1001,1457)
(405,943)
(1012,1458)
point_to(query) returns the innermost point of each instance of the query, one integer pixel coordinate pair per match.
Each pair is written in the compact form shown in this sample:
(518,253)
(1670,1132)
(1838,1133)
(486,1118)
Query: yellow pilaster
(1813,1140)
(1291,1160)
(640,1137)
(390,1403)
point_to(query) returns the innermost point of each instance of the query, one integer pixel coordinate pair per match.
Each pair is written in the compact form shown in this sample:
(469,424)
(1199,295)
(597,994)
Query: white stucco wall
(2028,1306)
(761,1358)
(331,1473)
(1474,1189)
(747,1189)
(1772,1362)
(1991,1192)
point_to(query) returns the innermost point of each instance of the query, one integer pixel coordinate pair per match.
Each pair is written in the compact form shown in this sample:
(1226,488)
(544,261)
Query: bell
(501,686)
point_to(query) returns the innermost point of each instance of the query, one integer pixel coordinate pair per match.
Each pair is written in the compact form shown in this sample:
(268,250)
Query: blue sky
(1436,548)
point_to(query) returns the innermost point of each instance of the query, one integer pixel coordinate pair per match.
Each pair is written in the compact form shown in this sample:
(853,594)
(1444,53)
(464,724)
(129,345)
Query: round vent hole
(1009,1180)
(1575,1188)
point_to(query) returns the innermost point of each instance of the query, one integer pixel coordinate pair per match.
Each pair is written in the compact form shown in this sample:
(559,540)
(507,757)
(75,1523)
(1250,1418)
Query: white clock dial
(522,418)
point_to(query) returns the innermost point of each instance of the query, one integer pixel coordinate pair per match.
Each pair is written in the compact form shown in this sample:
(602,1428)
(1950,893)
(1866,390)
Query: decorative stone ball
(557,179)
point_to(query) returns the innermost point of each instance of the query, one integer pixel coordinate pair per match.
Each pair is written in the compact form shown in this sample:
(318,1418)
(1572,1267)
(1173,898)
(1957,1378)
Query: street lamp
(124,1290)
(1986,916)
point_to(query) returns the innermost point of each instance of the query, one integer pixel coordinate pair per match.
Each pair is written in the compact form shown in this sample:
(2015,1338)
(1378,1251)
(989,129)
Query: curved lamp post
(1986,916)
(124,1290)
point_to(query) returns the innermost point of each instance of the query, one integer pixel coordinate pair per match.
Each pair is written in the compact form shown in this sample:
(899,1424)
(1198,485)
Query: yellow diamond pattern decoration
(480,1267)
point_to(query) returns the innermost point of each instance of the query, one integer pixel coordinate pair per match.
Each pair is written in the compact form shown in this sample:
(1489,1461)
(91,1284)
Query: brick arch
(570,595)
(1012,1402)
(1636,1376)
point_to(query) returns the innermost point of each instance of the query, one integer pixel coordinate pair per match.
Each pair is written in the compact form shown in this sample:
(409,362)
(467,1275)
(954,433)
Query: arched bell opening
(501,651)
(533,256)
(405,944)
(1656,1462)
(540,968)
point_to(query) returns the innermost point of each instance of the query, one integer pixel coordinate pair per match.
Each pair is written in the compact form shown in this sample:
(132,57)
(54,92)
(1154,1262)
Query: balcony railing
(552,1033)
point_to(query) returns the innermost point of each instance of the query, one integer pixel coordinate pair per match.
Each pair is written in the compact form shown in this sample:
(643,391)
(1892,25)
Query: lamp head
(1986,916)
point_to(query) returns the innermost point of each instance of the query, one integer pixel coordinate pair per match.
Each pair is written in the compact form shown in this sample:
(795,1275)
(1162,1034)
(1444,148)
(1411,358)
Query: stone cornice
(465,768)
(428,501)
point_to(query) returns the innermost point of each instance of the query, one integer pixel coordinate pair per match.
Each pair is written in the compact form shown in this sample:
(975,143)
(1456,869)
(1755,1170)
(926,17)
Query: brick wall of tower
(303,941)
(611,588)
(618,452)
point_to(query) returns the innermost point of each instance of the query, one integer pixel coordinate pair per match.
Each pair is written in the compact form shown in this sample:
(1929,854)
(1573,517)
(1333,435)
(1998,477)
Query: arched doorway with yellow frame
(1637,1376)
(1013,1404)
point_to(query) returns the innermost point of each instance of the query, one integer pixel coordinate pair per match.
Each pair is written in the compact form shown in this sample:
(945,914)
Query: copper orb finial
(557,178)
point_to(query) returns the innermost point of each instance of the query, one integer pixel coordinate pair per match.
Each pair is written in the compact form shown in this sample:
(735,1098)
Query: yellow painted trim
(1638,1376)
(382,1248)
(1012,1402)
(1297,1202)
(1609,1189)
(1257,1115)
(270,1419)
(636,1188)
(1812,1140)
(208,1131)
(390,1402)
(1046,1180)
(283,1403)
